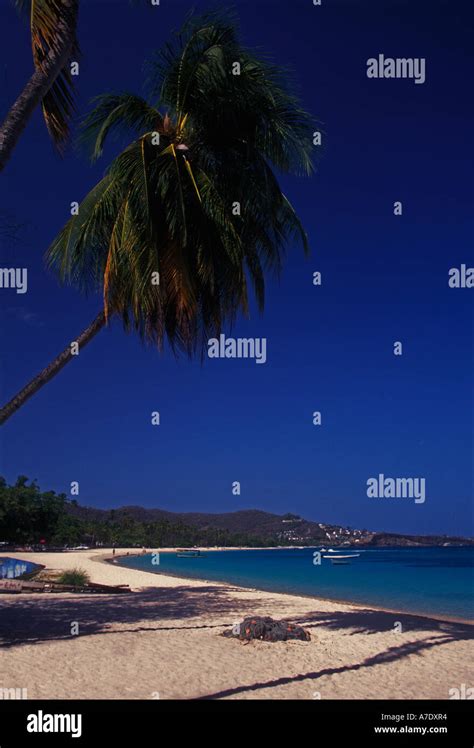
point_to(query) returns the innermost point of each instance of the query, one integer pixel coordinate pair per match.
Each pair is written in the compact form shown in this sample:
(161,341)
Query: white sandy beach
(163,641)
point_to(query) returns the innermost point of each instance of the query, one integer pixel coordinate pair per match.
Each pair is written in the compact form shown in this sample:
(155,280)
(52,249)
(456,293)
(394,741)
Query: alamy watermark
(223,347)
(397,488)
(461,693)
(13,693)
(462,277)
(397,67)
(14,278)
(43,722)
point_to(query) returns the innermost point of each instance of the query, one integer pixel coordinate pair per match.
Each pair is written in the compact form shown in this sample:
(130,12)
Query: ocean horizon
(427,581)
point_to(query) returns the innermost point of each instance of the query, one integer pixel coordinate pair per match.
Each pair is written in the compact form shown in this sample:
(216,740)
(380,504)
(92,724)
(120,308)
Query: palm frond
(193,75)
(117,114)
(53,26)
(165,207)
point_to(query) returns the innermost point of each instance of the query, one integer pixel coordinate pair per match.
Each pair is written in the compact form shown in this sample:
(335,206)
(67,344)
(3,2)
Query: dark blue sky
(329,348)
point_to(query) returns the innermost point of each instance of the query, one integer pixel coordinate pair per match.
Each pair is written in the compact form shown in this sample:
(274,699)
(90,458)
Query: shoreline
(361,605)
(166,638)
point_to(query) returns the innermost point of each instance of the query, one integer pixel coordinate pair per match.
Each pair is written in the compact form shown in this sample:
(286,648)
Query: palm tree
(53,37)
(190,213)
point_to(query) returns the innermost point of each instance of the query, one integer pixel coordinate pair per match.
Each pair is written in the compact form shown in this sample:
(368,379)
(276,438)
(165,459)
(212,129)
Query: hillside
(288,529)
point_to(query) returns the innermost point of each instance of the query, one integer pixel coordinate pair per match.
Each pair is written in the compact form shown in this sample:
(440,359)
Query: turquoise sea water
(431,581)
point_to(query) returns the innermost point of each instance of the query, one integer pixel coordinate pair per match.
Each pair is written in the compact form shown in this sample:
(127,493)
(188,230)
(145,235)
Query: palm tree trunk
(38,85)
(51,370)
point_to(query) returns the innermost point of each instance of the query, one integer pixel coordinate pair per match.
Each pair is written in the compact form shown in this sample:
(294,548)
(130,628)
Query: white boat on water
(341,558)
(344,555)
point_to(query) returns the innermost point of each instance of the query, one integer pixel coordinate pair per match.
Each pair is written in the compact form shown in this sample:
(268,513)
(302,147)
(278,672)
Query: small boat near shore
(341,558)
(189,553)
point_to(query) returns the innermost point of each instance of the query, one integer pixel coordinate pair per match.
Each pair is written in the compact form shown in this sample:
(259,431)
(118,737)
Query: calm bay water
(436,581)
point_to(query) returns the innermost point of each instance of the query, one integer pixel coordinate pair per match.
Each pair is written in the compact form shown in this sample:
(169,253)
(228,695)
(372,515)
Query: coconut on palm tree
(53,26)
(189,216)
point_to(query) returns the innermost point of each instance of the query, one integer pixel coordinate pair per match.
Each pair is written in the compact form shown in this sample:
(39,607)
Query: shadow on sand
(37,619)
